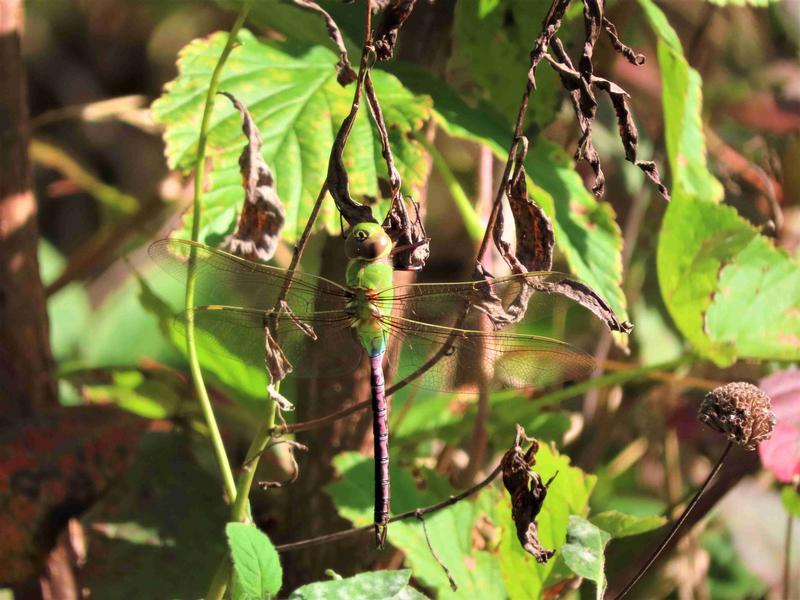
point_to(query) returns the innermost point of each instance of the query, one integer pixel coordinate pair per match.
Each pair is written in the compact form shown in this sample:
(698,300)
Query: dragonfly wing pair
(237,298)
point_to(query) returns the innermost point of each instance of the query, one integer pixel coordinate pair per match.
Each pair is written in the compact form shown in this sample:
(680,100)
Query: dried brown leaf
(262,217)
(394,15)
(344,70)
(528,494)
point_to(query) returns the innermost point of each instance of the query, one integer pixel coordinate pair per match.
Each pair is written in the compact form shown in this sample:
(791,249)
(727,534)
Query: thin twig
(676,526)
(332,537)
(436,557)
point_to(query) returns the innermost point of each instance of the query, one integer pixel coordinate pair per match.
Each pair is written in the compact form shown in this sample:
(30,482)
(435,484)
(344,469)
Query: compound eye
(374,246)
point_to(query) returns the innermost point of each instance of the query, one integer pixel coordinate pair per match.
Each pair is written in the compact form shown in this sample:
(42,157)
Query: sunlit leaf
(729,290)
(618,524)
(377,585)
(292,94)
(255,560)
(584,551)
(586,230)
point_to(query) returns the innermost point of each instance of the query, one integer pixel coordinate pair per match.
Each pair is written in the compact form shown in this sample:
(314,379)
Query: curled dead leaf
(262,217)
(528,494)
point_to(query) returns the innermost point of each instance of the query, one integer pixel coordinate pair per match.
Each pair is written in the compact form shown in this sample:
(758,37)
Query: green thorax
(369,271)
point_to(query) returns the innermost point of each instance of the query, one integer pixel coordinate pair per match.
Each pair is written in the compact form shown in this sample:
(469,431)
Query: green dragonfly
(355,322)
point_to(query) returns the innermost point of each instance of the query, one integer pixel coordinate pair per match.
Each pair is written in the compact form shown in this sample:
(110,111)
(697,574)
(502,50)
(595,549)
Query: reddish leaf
(781,454)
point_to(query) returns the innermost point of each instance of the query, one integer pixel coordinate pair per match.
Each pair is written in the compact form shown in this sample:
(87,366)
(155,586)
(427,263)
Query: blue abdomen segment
(380,440)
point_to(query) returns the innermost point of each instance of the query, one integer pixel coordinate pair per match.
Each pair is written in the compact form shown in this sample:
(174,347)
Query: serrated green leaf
(255,560)
(292,94)
(377,585)
(584,552)
(728,289)
(477,570)
(618,524)
(585,229)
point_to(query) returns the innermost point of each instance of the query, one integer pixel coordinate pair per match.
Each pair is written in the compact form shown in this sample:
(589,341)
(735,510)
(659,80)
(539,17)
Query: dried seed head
(741,411)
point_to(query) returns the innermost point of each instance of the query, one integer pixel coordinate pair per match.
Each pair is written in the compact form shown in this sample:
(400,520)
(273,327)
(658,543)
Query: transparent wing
(509,360)
(329,348)
(443,303)
(225,279)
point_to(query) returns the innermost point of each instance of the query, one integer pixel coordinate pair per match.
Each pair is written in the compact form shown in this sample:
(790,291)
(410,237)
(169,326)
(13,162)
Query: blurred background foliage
(710,281)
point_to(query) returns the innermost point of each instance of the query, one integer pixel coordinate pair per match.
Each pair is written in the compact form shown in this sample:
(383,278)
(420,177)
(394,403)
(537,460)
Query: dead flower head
(741,411)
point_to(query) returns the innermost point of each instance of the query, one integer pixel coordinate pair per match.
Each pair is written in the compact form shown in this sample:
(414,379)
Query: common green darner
(359,319)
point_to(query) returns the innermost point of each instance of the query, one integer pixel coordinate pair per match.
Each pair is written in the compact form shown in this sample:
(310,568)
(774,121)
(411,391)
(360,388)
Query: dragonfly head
(367,241)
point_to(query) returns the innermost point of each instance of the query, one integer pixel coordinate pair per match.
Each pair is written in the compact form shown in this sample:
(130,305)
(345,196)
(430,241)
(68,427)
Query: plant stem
(676,526)
(239,512)
(220,581)
(199,176)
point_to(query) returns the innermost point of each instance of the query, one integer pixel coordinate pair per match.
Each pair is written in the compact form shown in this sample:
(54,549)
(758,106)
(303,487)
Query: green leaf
(68,310)
(255,560)
(438,415)
(584,552)
(619,524)
(492,44)
(245,381)
(158,532)
(568,494)
(151,397)
(730,292)
(585,229)
(477,569)
(292,94)
(377,585)
(791,500)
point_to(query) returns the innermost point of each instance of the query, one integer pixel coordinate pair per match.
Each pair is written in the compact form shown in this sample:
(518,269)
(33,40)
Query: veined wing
(443,303)
(238,333)
(225,279)
(509,360)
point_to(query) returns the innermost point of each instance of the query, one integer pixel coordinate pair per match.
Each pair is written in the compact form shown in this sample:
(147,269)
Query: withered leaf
(633,57)
(338,182)
(534,232)
(411,242)
(586,297)
(344,70)
(527,492)
(394,15)
(262,217)
(629,134)
(278,366)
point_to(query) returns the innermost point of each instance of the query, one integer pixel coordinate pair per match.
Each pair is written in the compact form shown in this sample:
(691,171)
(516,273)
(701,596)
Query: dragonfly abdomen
(380,440)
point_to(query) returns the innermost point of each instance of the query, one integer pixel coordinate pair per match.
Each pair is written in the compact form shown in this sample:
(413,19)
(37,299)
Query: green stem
(199,179)
(472,221)
(239,512)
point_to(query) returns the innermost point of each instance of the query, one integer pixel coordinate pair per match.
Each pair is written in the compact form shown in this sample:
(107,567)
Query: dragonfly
(354,323)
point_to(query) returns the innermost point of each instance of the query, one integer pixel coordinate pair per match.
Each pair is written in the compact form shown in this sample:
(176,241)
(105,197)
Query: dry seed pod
(741,411)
